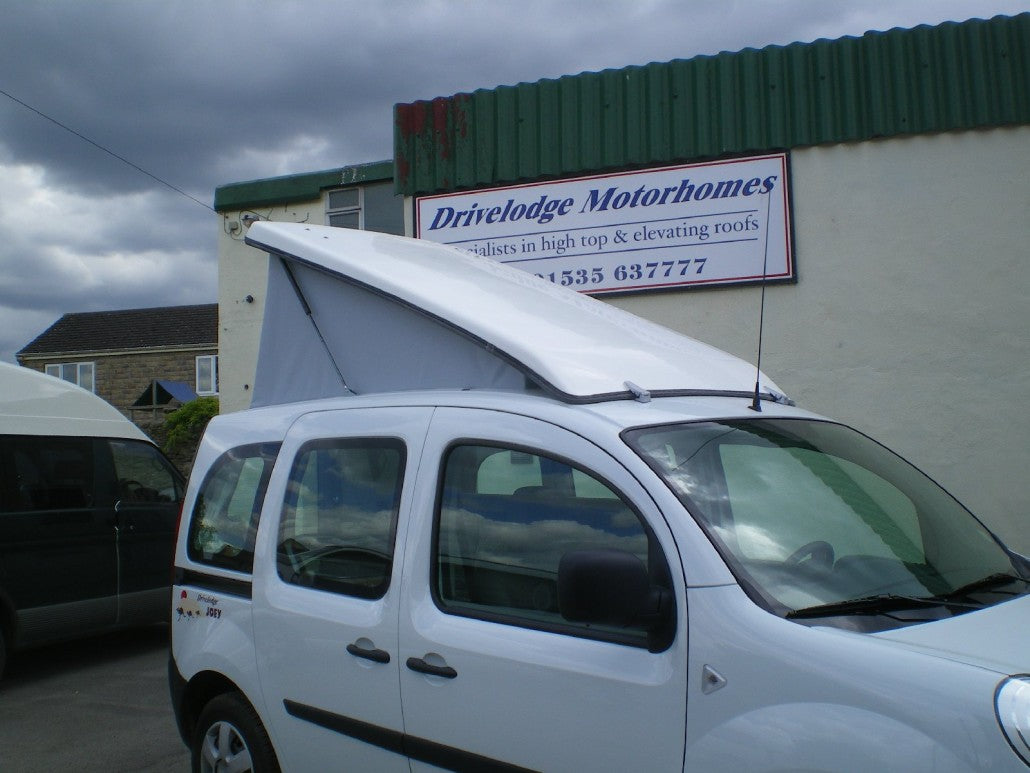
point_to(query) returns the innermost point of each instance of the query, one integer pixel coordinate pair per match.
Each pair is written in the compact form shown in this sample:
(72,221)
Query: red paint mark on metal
(411,119)
(403,168)
(432,126)
(441,135)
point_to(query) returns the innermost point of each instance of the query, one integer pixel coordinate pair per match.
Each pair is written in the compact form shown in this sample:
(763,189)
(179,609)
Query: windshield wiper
(874,605)
(987,583)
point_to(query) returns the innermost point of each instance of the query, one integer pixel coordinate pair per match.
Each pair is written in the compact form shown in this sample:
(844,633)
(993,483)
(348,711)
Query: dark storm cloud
(186,88)
(200,94)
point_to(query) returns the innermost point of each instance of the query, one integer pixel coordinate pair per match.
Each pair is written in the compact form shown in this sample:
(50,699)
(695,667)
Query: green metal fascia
(953,76)
(274,191)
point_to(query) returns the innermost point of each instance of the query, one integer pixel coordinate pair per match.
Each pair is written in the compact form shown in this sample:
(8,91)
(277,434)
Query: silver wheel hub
(224,750)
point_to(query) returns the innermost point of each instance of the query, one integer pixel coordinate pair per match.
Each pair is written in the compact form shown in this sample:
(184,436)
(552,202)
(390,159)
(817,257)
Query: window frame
(89,365)
(213,359)
(658,563)
(358,209)
(268,452)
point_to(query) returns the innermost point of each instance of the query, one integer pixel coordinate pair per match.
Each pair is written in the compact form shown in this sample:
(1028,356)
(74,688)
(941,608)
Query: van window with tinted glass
(340,515)
(46,473)
(225,517)
(507,516)
(143,474)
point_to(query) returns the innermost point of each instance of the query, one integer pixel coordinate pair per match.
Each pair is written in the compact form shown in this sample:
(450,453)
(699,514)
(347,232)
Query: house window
(81,373)
(207,374)
(370,207)
(343,209)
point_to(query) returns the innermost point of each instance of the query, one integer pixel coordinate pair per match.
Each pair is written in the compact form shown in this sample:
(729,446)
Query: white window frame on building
(339,210)
(207,384)
(81,374)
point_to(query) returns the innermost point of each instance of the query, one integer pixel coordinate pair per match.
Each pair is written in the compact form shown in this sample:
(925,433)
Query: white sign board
(715,223)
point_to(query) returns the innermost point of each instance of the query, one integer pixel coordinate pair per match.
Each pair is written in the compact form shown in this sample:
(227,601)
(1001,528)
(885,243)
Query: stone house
(145,362)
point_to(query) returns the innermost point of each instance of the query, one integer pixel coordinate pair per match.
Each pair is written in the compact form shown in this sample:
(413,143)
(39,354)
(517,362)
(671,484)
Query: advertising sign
(716,223)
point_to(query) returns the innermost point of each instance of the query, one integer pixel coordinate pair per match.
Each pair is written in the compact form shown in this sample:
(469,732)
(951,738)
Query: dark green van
(88,512)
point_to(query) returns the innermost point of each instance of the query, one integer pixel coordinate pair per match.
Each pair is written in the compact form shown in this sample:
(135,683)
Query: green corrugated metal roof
(882,84)
(275,191)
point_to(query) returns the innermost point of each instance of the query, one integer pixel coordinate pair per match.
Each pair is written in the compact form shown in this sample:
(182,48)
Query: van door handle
(374,654)
(418,664)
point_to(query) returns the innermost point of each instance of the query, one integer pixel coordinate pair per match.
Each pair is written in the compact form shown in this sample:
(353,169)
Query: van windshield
(818,522)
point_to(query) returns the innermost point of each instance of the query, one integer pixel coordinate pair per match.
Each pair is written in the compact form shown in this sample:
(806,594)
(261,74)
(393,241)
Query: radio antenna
(756,403)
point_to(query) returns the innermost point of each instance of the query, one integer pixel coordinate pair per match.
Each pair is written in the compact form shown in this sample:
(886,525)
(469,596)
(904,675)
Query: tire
(230,736)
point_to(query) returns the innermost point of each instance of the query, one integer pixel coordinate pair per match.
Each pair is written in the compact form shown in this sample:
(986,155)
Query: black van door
(58,567)
(146,505)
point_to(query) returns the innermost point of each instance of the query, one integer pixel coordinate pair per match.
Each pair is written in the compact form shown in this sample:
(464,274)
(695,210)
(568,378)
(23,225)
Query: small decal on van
(202,606)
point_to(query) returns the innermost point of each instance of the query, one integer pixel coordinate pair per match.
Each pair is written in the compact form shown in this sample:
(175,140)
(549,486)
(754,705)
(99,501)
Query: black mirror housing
(607,587)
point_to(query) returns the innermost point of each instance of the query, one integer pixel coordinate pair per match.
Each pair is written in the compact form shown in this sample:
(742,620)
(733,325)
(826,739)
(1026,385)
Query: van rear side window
(225,517)
(45,473)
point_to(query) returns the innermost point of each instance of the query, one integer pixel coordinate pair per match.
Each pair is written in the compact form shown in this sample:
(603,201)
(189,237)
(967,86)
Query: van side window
(340,516)
(144,475)
(46,473)
(225,517)
(505,519)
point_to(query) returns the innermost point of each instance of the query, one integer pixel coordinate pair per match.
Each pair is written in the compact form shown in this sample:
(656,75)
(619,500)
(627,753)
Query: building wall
(242,280)
(122,376)
(243,271)
(910,319)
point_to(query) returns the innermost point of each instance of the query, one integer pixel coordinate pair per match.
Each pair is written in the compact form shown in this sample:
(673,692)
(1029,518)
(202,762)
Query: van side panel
(145,506)
(57,538)
(837,700)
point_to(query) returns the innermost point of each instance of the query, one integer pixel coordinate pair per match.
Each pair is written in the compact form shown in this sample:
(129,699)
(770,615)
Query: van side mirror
(610,587)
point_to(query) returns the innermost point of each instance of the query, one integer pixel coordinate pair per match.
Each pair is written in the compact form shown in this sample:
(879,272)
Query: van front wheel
(230,736)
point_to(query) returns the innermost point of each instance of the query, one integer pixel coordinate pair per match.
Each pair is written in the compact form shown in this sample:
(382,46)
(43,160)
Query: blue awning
(160,392)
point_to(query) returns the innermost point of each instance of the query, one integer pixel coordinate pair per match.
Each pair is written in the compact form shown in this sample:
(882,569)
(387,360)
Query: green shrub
(185,425)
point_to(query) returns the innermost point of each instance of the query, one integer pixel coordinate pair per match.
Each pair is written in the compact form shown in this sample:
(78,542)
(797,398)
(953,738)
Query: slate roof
(163,327)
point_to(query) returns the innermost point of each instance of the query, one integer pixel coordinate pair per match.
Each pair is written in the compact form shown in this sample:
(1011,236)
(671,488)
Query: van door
(146,503)
(57,543)
(491,672)
(326,587)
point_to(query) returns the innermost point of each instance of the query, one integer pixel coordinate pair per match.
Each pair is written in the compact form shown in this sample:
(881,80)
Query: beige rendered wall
(911,316)
(242,281)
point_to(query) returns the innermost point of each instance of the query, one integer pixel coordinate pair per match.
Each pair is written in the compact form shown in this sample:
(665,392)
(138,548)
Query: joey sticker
(202,606)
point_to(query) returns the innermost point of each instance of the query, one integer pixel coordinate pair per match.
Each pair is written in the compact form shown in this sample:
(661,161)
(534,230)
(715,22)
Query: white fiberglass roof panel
(32,403)
(570,343)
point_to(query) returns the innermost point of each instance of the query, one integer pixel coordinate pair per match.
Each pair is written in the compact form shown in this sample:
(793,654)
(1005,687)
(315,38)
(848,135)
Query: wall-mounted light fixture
(249,219)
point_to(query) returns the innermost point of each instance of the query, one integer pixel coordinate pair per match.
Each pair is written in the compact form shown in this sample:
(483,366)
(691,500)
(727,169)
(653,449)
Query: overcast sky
(200,94)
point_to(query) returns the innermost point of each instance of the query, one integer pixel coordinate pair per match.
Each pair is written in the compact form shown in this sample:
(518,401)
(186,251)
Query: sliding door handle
(369,653)
(418,664)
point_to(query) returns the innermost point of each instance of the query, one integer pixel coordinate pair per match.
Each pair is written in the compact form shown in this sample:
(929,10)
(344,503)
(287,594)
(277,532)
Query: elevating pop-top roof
(356,311)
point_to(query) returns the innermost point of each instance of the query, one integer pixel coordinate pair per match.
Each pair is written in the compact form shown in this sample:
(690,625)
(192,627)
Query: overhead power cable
(97,145)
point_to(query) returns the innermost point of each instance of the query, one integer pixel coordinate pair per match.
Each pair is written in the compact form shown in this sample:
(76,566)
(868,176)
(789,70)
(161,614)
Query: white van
(88,514)
(478,522)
